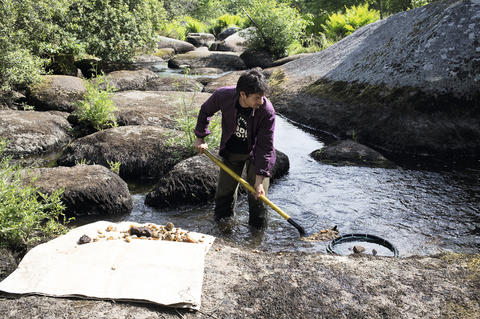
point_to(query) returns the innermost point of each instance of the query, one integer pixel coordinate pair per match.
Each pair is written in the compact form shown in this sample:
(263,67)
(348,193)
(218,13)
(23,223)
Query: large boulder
(226,80)
(289,59)
(227,32)
(200,39)
(237,42)
(12,100)
(178,45)
(161,108)
(91,67)
(408,84)
(173,83)
(202,58)
(88,189)
(191,181)
(348,152)
(143,151)
(32,133)
(57,92)
(124,80)
(194,181)
(257,58)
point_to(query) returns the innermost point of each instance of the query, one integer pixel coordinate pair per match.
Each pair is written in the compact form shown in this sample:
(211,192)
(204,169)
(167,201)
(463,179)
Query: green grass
(26,215)
(97,108)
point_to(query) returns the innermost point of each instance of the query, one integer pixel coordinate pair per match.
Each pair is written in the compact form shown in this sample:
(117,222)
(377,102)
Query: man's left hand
(259,187)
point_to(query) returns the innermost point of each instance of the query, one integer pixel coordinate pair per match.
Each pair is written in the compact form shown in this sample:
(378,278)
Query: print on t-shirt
(241,131)
(238,142)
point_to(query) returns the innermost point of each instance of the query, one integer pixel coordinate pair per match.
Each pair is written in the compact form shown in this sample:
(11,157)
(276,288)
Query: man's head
(251,87)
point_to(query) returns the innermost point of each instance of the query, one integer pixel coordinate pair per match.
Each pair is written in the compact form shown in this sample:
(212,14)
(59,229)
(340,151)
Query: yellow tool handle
(245,184)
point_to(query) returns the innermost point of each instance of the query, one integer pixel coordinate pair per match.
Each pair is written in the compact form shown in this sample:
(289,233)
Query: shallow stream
(420,212)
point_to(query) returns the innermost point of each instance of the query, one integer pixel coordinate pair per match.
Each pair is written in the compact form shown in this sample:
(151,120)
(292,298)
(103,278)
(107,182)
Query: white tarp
(156,271)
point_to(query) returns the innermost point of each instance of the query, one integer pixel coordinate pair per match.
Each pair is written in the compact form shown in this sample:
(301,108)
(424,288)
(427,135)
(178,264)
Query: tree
(277,26)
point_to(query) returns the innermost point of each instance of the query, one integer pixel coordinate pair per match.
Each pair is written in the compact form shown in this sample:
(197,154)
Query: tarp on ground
(155,271)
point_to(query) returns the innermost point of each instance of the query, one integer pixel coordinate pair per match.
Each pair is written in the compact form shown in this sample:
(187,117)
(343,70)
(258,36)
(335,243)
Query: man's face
(254,100)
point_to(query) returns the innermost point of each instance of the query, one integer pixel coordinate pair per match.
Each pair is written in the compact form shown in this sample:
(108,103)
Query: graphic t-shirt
(238,142)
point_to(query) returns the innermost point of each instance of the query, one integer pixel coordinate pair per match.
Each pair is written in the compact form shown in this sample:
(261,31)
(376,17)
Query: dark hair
(252,81)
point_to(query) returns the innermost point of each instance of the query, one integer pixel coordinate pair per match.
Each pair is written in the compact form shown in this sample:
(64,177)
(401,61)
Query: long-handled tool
(252,190)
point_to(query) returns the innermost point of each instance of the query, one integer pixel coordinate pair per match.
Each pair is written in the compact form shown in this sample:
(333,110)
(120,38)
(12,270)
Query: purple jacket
(261,126)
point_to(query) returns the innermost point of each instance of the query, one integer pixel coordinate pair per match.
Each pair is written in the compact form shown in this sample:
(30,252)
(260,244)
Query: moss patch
(472,262)
(166,52)
(400,98)
(275,81)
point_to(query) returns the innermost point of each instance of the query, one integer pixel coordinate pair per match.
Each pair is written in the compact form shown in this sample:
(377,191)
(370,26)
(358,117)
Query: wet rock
(200,39)
(89,190)
(399,83)
(178,45)
(358,249)
(155,108)
(257,58)
(191,181)
(194,181)
(202,58)
(56,92)
(226,80)
(348,152)
(129,79)
(173,84)
(143,151)
(281,167)
(32,133)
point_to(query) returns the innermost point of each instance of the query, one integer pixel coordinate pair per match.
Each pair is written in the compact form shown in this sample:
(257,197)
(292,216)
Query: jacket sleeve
(207,110)
(265,155)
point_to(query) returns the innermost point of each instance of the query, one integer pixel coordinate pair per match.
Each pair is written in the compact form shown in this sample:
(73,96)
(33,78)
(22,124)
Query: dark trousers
(227,188)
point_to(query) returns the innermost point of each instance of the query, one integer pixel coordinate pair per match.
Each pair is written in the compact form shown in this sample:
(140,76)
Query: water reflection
(420,212)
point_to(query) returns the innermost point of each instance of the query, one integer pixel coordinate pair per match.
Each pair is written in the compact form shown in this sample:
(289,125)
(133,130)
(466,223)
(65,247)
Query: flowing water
(420,212)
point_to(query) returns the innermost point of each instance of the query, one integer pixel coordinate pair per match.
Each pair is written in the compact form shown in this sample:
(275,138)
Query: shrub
(205,10)
(186,121)
(18,66)
(277,26)
(97,108)
(339,25)
(175,29)
(32,31)
(193,25)
(26,215)
(114,30)
(225,21)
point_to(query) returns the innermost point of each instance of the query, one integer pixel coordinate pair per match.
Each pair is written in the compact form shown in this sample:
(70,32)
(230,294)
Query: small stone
(358,249)
(374,252)
(84,240)
(169,226)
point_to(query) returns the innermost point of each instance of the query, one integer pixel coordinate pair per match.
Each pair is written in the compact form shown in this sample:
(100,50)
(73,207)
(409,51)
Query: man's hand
(200,144)
(259,187)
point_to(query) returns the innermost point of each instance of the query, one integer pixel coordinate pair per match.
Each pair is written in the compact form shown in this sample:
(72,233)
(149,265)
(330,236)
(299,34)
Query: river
(420,212)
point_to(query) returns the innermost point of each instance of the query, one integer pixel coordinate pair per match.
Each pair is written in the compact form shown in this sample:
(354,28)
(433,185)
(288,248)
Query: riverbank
(243,283)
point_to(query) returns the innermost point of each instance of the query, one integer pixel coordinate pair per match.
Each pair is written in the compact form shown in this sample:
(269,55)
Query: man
(248,123)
